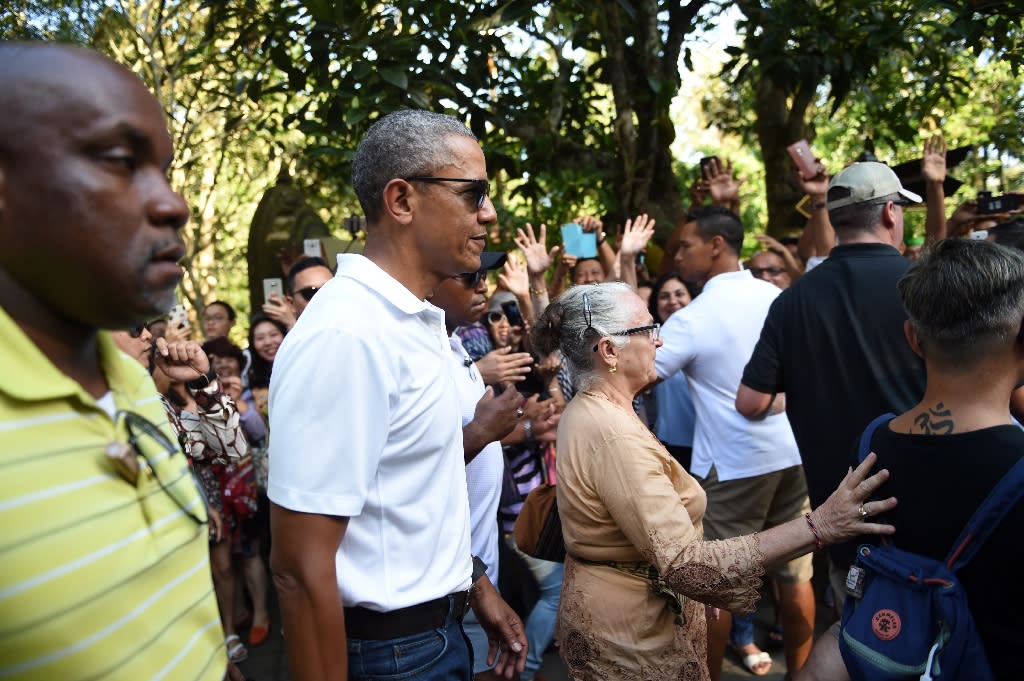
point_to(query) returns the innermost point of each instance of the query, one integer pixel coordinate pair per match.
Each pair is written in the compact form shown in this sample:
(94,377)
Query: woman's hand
(538,260)
(847,512)
(515,277)
(182,361)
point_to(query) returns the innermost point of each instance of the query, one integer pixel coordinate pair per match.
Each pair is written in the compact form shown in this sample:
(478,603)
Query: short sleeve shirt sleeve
(325,435)
(678,345)
(764,370)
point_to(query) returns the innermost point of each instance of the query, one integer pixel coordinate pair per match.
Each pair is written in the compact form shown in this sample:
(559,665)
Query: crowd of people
(374,444)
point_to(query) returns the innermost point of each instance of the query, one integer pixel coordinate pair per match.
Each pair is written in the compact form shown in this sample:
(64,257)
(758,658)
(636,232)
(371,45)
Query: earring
(612,369)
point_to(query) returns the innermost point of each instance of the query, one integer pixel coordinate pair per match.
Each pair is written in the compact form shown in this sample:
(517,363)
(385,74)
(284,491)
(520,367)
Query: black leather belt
(371,625)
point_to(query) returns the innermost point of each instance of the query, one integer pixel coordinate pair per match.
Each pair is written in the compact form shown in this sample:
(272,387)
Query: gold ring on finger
(863,511)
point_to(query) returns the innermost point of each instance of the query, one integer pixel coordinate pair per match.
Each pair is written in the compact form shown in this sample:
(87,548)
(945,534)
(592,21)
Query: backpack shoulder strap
(997,504)
(865,439)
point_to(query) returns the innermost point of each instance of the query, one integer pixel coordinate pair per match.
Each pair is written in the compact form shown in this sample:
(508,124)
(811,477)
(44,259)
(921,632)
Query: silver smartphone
(272,285)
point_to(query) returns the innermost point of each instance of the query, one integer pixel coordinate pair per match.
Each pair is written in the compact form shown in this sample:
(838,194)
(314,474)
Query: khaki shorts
(748,505)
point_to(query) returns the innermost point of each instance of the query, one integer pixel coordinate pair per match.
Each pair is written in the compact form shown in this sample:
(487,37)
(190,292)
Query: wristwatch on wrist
(818,204)
(203,381)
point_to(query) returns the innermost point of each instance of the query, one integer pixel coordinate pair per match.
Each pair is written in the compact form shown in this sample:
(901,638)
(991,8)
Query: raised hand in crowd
(699,193)
(933,169)
(635,237)
(515,278)
(280,309)
(566,263)
(176,333)
(773,245)
(933,162)
(493,419)
(538,258)
(723,187)
(818,237)
(181,361)
(504,366)
(966,218)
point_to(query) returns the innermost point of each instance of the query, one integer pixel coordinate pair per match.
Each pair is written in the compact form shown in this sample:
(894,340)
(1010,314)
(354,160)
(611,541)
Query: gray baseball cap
(866,181)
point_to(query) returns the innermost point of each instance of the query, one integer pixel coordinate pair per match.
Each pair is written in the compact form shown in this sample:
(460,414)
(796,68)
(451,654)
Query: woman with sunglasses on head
(637,571)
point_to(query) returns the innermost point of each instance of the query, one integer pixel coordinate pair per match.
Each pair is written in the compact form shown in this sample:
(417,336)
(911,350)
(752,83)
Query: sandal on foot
(758,664)
(236,650)
(775,637)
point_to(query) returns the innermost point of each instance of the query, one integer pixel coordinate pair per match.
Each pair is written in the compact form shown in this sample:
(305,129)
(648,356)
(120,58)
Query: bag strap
(865,439)
(997,504)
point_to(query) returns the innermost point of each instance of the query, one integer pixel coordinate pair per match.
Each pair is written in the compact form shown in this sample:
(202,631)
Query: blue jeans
(540,625)
(742,632)
(434,655)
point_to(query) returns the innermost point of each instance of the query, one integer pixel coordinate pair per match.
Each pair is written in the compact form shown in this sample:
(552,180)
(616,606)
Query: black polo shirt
(834,343)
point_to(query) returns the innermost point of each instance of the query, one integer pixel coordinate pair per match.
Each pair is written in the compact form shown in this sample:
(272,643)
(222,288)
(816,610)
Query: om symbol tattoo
(937,421)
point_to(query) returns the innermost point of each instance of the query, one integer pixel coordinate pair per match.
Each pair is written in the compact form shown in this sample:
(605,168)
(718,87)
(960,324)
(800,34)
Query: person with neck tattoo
(965,303)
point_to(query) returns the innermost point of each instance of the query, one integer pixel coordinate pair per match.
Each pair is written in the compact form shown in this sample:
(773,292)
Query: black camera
(997,204)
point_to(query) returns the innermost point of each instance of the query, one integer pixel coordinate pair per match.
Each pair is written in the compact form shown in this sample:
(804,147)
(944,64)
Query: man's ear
(399,200)
(717,245)
(911,333)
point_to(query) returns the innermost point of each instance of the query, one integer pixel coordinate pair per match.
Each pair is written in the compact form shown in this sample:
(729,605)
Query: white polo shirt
(365,423)
(485,471)
(711,340)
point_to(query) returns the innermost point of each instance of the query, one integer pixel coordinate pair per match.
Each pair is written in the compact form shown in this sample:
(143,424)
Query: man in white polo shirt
(750,470)
(367,473)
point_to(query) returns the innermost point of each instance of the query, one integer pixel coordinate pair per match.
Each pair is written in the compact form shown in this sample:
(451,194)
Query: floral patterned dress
(626,506)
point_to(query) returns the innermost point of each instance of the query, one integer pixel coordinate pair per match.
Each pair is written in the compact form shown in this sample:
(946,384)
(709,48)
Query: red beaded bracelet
(818,544)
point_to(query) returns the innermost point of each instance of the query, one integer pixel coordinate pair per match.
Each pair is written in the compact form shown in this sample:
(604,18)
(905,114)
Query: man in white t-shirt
(370,517)
(750,470)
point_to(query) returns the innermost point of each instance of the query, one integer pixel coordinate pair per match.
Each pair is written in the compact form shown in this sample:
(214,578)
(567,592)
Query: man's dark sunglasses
(471,279)
(308,292)
(482,188)
(136,330)
(771,271)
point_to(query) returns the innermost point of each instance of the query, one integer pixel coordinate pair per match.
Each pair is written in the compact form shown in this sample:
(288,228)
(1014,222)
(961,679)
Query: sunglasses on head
(308,292)
(481,188)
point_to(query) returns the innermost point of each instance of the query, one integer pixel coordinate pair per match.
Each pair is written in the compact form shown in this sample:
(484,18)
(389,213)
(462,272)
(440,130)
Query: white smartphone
(272,285)
(177,318)
(311,248)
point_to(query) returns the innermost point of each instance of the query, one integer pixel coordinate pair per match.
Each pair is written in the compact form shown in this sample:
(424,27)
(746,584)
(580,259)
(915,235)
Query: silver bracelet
(528,430)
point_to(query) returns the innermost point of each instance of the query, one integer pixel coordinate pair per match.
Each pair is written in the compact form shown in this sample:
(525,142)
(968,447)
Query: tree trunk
(779,125)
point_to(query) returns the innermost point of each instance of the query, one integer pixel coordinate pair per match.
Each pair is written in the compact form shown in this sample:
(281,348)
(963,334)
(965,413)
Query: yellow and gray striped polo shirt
(99,578)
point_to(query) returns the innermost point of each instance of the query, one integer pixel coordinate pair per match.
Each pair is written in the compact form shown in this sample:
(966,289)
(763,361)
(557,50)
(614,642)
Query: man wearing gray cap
(834,343)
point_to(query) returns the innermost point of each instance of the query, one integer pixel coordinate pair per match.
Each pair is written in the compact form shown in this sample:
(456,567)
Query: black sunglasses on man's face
(481,188)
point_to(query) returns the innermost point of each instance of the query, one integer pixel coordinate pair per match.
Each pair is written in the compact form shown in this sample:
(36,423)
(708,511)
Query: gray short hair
(564,325)
(860,217)
(965,298)
(401,144)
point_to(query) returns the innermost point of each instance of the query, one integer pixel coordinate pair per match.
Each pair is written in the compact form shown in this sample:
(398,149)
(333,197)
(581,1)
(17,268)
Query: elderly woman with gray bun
(638,574)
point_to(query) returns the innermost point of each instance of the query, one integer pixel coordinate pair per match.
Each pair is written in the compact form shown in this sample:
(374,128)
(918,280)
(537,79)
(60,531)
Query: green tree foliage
(898,64)
(570,99)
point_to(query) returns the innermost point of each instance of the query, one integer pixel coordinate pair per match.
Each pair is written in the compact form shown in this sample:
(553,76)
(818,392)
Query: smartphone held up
(803,159)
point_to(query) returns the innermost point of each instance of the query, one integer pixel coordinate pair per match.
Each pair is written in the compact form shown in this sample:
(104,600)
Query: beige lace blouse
(623,498)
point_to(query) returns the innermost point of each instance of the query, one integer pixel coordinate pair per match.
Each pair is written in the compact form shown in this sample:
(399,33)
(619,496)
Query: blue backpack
(906,615)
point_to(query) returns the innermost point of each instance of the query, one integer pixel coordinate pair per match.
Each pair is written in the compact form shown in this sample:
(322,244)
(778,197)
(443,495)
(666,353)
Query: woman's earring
(612,369)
